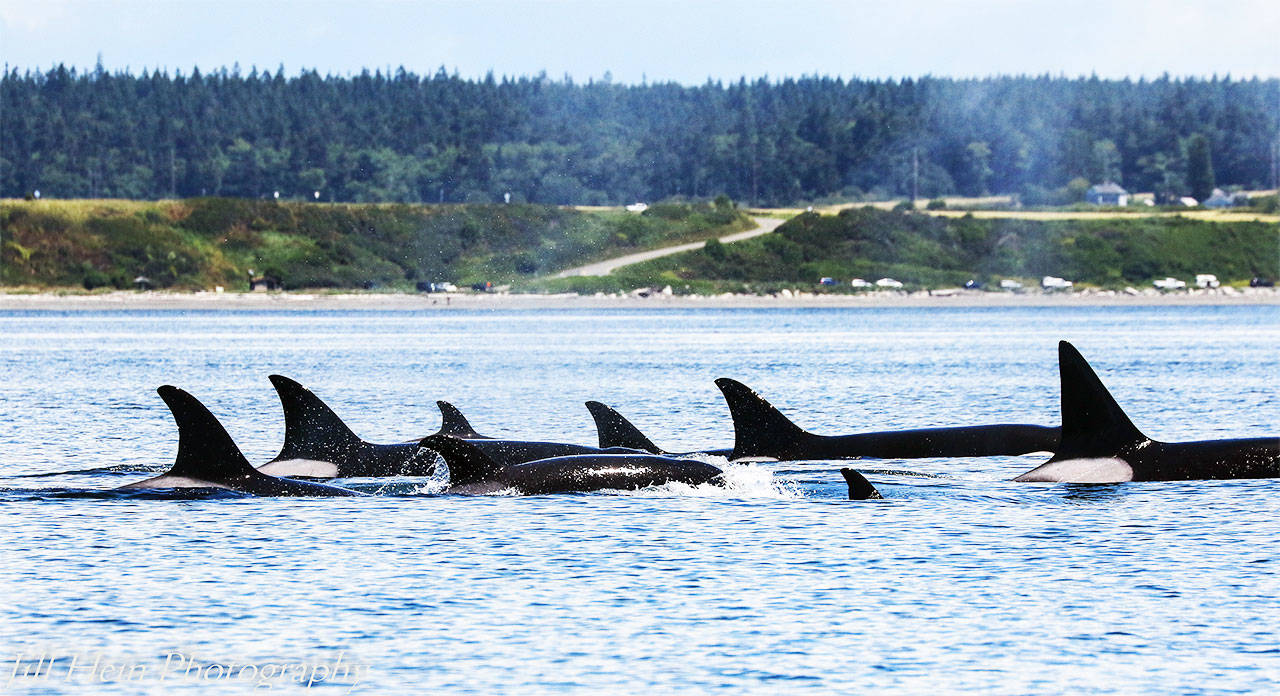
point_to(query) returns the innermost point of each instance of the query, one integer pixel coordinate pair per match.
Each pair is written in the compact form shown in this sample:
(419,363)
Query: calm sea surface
(959,581)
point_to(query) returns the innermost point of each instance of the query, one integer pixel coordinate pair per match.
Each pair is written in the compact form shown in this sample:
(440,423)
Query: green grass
(200,243)
(928,251)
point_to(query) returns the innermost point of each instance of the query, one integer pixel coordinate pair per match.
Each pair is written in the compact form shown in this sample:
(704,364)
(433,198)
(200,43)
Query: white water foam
(739,480)
(438,482)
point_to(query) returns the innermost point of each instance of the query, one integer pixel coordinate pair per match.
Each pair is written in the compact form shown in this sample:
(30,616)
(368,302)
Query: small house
(263,283)
(1109,193)
(1219,199)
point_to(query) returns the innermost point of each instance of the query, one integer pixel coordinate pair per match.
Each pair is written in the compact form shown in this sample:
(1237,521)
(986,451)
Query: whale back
(614,430)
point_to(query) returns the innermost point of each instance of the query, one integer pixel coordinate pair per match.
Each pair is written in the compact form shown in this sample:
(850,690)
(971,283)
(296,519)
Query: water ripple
(959,581)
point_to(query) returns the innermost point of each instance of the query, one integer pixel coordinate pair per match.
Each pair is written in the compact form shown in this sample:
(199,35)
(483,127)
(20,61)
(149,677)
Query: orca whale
(762,432)
(208,458)
(452,422)
(473,472)
(1101,445)
(859,487)
(614,430)
(317,444)
(512,452)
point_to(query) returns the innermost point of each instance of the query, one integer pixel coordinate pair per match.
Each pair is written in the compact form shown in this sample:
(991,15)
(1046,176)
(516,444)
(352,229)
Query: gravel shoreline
(501,301)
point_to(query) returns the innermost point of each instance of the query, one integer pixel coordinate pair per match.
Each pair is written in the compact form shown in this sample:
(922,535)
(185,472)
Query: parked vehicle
(888,283)
(437,287)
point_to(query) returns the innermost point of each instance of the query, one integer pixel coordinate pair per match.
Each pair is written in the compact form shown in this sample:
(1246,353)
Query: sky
(687,41)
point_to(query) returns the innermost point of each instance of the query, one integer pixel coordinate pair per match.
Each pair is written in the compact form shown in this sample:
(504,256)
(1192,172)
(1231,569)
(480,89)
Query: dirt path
(766,225)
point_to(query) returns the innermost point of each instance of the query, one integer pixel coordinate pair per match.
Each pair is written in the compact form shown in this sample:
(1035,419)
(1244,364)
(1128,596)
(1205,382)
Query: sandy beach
(380,301)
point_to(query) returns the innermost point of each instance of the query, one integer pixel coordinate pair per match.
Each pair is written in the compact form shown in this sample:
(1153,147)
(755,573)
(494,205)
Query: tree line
(402,137)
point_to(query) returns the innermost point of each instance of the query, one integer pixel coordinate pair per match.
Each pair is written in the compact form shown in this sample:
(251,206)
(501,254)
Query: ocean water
(958,581)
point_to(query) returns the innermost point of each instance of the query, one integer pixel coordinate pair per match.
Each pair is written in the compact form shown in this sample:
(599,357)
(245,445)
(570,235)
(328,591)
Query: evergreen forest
(407,138)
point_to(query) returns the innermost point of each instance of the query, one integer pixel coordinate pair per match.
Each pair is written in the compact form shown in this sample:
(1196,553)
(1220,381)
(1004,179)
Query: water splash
(739,480)
(437,482)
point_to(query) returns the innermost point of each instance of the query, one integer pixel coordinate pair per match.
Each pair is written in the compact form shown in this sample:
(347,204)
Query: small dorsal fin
(859,487)
(452,422)
(311,429)
(205,451)
(759,429)
(467,464)
(1093,424)
(616,431)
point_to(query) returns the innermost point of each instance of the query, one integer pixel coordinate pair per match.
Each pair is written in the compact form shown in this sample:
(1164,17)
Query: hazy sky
(659,40)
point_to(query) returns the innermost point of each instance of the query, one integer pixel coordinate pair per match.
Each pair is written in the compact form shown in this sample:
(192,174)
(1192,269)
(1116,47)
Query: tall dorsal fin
(616,431)
(205,451)
(452,422)
(859,487)
(1093,424)
(759,429)
(311,429)
(467,464)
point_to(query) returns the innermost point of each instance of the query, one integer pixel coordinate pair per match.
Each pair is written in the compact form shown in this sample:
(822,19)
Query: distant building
(263,283)
(1219,199)
(1109,193)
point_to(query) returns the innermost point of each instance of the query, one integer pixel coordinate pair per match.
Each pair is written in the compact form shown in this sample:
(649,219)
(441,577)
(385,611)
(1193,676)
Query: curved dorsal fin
(205,451)
(452,422)
(467,464)
(859,487)
(311,429)
(759,429)
(616,431)
(1093,424)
